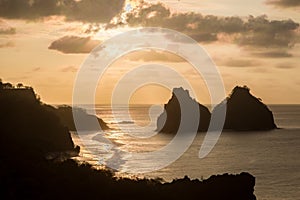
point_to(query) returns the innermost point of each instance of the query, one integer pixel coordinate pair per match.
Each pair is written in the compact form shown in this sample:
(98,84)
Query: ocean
(273,157)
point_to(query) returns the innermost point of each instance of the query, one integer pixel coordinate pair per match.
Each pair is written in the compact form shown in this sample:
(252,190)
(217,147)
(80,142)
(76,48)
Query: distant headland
(64,113)
(244,112)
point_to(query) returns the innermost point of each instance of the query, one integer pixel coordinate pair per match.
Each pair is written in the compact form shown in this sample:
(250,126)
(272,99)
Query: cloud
(153,55)
(7,44)
(273,54)
(28,9)
(36,69)
(101,11)
(5,29)
(201,28)
(70,69)
(74,44)
(285,66)
(92,10)
(235,62)
(261,32)
(284,3)
(253,31)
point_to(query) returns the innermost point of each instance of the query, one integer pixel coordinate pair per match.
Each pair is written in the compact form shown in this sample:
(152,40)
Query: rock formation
(66,117)
(244,112)
(169,120)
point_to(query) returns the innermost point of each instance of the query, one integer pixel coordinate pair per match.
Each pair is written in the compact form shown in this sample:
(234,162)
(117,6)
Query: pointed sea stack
(245,112)
(172,113)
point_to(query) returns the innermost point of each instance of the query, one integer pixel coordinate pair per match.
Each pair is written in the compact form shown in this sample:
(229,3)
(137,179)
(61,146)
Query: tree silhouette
(20,85)
(7,86)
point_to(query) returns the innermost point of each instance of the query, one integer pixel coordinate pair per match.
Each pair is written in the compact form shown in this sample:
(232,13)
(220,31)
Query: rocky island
(169,120)
(244,112)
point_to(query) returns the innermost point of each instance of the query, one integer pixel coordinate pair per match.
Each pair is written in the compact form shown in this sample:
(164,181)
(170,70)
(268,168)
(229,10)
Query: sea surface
(273,157)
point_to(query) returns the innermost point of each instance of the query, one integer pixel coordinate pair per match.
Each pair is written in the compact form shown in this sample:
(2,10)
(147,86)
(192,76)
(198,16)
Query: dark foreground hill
(28,125)
(244,112)
(29,132)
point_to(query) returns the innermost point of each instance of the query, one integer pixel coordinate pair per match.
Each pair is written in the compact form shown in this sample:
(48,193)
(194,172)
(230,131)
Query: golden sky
(254,43)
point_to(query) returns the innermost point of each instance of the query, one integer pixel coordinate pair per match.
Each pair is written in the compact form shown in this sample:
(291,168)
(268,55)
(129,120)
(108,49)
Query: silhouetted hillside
(29,131)
(29,126)
(246,112)
(169,121)
(68,180)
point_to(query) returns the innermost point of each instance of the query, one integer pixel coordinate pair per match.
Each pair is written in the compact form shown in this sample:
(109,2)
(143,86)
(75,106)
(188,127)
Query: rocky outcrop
(169,121)
(244,112)
(66,117)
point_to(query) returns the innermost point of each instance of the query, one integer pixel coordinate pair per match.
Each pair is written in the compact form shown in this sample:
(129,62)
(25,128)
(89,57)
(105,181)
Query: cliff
(28,124)
(245,112)
(169,120)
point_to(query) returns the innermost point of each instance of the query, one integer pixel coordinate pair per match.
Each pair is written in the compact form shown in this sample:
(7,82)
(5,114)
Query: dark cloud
(285,66)
(28,9)
(236,62)
(101,11)
(74,44)
(7,44)
(261,32)
(253,31)
(153,55)
(92,10)
(199,27)
(273,54)
(284,3)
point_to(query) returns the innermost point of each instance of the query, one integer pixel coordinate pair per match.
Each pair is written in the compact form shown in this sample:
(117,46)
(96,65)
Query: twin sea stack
(244,112)
(170,120)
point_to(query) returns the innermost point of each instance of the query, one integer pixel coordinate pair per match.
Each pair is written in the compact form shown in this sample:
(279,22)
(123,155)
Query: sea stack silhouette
(169,120)
(245,112)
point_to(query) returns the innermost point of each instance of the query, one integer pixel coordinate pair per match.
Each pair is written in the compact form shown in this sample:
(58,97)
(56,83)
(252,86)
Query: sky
(44,43)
